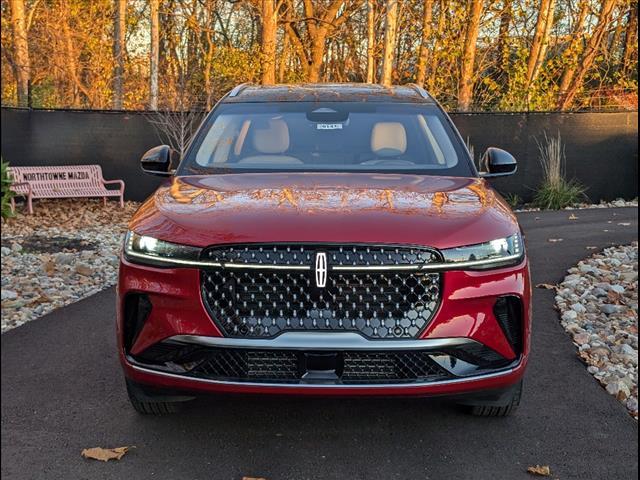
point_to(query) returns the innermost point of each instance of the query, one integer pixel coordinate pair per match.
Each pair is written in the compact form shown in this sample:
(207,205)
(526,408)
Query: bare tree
(119,30)
(540,40)
(22,65)
(154,54)
(567,96)
(390,24)
(269,16)
(465,91)
(427,15)
(371,41)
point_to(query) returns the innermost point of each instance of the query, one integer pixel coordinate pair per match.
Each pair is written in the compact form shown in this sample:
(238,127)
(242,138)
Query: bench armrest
(20,184)
(111,182)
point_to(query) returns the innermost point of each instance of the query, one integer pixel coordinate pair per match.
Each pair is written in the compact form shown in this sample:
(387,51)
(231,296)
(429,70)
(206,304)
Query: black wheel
(148,404)
(505,409)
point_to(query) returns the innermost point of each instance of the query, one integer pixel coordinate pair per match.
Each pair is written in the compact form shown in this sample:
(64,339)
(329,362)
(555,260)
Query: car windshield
(335,137)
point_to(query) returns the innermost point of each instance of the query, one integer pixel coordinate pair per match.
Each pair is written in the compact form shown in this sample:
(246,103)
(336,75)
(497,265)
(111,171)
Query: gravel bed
(584,206)
(598,302)
(66,251)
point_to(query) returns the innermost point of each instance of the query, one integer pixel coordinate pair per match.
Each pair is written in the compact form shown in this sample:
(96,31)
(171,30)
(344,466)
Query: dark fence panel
(601,148)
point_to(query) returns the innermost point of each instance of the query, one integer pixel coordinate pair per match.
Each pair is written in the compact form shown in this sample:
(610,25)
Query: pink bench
(62,182)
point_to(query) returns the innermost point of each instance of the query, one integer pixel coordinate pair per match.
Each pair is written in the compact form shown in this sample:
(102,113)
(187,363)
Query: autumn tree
(427,15)
(390,25)
(567,96)
(465,92)
(21,63)
(154,53)
(119,30)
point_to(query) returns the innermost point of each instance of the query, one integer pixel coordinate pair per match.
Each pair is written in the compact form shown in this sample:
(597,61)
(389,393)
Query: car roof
(328,92)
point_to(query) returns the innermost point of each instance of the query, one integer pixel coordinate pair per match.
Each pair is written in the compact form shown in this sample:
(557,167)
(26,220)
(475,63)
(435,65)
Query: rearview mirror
(498,163)
(157,161)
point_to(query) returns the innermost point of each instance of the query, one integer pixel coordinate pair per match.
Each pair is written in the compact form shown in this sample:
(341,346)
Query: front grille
(304,255)
(286,366)
(266,303)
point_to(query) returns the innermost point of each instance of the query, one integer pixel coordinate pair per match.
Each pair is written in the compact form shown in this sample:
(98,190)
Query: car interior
(292,140)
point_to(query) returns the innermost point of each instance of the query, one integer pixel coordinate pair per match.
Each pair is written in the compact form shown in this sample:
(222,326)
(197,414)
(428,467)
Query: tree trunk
(540,40)
(155,54)
(119,30)
(566,98)
(391,20)
(22,69)
(630,38)
(439,33)
(421,70)
(465,91)
(371,38)
(572,49)
(269,30)
(503,35)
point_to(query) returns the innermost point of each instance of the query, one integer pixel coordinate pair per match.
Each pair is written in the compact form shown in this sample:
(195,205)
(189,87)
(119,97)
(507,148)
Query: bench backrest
(58,179)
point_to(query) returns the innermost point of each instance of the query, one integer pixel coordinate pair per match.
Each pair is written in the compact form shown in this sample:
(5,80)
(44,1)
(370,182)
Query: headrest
(273,137)
(388,139)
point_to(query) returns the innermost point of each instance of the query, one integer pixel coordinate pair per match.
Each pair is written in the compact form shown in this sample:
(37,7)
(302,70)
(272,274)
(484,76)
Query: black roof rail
(423,93)
(238,88)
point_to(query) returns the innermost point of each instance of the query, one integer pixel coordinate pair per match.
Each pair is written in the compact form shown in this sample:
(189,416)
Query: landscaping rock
(603,322)
(70,251)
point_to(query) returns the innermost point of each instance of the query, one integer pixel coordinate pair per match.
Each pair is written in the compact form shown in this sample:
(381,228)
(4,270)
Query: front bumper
(464,321)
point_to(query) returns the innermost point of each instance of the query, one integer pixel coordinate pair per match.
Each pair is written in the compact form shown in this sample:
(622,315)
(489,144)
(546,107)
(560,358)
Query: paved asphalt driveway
(62,391)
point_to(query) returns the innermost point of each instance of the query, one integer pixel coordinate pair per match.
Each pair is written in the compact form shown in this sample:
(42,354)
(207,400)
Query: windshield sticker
(329,126)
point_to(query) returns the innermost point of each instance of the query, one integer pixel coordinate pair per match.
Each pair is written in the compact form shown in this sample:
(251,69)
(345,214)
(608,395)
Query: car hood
(325,207)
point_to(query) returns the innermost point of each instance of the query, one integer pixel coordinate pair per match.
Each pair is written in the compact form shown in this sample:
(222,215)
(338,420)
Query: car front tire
(148,404)
(505,409)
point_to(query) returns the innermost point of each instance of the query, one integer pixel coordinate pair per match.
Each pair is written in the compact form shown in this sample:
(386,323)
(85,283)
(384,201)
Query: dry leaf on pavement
(253,478)
(540,470)
(554,240)
(572,217)
(105,454)
(547,286)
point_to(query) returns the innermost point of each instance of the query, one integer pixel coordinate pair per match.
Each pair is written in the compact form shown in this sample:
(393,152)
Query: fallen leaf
(547,286)
(554,240)
(253,478)
(572,217)
(105,454)
(615,297)
(540,470)
(49,267)
(592,248)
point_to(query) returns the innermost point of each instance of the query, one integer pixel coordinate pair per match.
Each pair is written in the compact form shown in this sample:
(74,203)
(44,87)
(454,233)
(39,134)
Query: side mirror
(498,163)
(157,161)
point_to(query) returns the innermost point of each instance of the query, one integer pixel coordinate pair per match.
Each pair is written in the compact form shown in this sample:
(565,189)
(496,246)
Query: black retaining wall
(601,148)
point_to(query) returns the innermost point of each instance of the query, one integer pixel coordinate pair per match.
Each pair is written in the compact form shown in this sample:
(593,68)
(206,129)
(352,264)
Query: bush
(556,192)
(7,194)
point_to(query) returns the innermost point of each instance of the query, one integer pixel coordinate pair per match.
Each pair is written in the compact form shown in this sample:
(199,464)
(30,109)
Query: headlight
(144,249)
(496,253)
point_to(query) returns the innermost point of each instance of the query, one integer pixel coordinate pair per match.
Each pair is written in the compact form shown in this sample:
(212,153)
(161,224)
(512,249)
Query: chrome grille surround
(377,291)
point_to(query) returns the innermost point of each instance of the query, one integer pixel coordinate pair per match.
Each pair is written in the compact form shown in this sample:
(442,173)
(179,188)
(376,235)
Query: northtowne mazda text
(331,240)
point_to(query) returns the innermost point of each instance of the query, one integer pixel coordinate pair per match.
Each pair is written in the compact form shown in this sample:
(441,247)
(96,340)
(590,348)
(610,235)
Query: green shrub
(557,196)
(556,192)
(513,199)
(7,194)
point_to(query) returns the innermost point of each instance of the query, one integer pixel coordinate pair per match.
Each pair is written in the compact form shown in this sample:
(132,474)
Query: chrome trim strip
(366,268)
(428,267)
(322,341)
(259,266)
(407,386)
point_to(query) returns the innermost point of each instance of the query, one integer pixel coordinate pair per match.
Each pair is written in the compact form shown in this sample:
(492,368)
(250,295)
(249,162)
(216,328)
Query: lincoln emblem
(321,269)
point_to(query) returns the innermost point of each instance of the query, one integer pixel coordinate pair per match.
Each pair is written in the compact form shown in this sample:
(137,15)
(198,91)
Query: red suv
(330,240)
